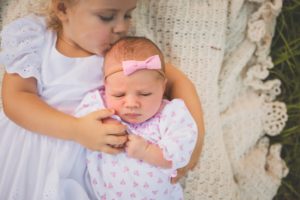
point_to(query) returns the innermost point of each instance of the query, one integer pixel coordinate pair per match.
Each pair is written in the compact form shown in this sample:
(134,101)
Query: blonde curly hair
(51,10)
(46,8)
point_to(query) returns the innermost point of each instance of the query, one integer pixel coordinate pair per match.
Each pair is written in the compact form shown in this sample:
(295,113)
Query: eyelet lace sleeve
(21,46)
(179,133)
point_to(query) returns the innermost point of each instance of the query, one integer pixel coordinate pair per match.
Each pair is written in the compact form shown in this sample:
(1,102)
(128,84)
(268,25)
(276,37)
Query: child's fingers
(101,114)
(116,140)
(110,120)
(111,150)
(115,129)
(180,173)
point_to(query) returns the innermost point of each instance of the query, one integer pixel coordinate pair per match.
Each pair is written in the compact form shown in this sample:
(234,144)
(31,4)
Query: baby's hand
(136,146)
(92,133)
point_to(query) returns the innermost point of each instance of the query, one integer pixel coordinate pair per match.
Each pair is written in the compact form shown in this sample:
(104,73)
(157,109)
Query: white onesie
(120,177)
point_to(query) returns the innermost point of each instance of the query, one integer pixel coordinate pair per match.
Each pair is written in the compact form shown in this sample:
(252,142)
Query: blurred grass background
(285,53)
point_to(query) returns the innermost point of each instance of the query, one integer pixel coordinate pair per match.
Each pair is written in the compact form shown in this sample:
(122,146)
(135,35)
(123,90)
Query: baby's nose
(132,102)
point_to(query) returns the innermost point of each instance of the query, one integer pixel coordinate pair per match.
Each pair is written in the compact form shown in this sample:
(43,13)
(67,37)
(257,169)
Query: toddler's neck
(69,49)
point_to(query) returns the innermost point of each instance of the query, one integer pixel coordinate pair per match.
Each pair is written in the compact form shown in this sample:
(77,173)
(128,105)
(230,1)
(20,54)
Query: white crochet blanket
(223,46)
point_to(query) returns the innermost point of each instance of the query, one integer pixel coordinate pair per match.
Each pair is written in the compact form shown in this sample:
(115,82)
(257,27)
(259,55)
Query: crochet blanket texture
(223,47)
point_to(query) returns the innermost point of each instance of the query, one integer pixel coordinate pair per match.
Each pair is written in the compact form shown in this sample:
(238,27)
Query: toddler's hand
(180,173)
(92,133)
(190,166)
(136,146)
(110,120)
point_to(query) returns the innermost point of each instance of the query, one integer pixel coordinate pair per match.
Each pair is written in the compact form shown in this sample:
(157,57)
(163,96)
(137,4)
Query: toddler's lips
(107,48)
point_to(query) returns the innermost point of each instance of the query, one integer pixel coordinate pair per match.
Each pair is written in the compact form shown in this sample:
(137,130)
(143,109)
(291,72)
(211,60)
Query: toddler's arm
(22,105)
(179,86)
(139,148)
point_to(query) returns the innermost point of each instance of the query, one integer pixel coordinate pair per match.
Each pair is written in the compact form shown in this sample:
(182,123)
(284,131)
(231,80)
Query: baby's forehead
(143,75)
(132,49)
(141,79)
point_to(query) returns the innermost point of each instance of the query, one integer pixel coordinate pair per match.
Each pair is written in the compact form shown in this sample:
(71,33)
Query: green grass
(286,57)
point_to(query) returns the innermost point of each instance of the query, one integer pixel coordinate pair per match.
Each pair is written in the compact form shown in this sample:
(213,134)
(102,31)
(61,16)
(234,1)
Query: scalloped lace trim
(260,32)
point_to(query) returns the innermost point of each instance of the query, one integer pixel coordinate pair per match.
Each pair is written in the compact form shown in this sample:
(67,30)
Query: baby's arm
(139,148)
(179,86)
(22,105)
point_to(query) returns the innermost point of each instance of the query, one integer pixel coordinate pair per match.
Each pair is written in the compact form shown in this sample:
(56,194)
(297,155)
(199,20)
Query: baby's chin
(134,120)
(130,121)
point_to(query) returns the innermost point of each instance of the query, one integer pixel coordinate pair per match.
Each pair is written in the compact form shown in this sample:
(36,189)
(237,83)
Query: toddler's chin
(99,52)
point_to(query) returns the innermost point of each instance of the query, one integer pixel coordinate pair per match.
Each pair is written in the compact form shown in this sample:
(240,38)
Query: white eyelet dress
(34,166)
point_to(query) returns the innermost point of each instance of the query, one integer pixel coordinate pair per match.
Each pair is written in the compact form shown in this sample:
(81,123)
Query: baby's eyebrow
(144,91)
(116,91)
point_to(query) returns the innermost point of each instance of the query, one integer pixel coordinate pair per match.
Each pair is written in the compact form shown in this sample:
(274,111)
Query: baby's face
(137,97)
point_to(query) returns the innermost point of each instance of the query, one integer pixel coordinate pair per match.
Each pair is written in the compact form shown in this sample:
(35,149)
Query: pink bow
(130,66)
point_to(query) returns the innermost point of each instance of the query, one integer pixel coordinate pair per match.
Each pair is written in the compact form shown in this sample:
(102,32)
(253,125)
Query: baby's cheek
(116,105)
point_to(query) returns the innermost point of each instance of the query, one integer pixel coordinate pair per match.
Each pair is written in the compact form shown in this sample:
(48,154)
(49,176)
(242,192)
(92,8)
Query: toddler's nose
(121,27)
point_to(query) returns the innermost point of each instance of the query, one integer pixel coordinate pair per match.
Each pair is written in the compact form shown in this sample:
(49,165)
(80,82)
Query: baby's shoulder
(173,105)
(175,110)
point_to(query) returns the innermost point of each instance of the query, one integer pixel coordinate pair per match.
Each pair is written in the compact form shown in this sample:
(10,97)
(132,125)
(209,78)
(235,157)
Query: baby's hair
(135,48)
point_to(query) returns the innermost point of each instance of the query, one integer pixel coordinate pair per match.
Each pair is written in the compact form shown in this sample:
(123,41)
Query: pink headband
(131,66)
